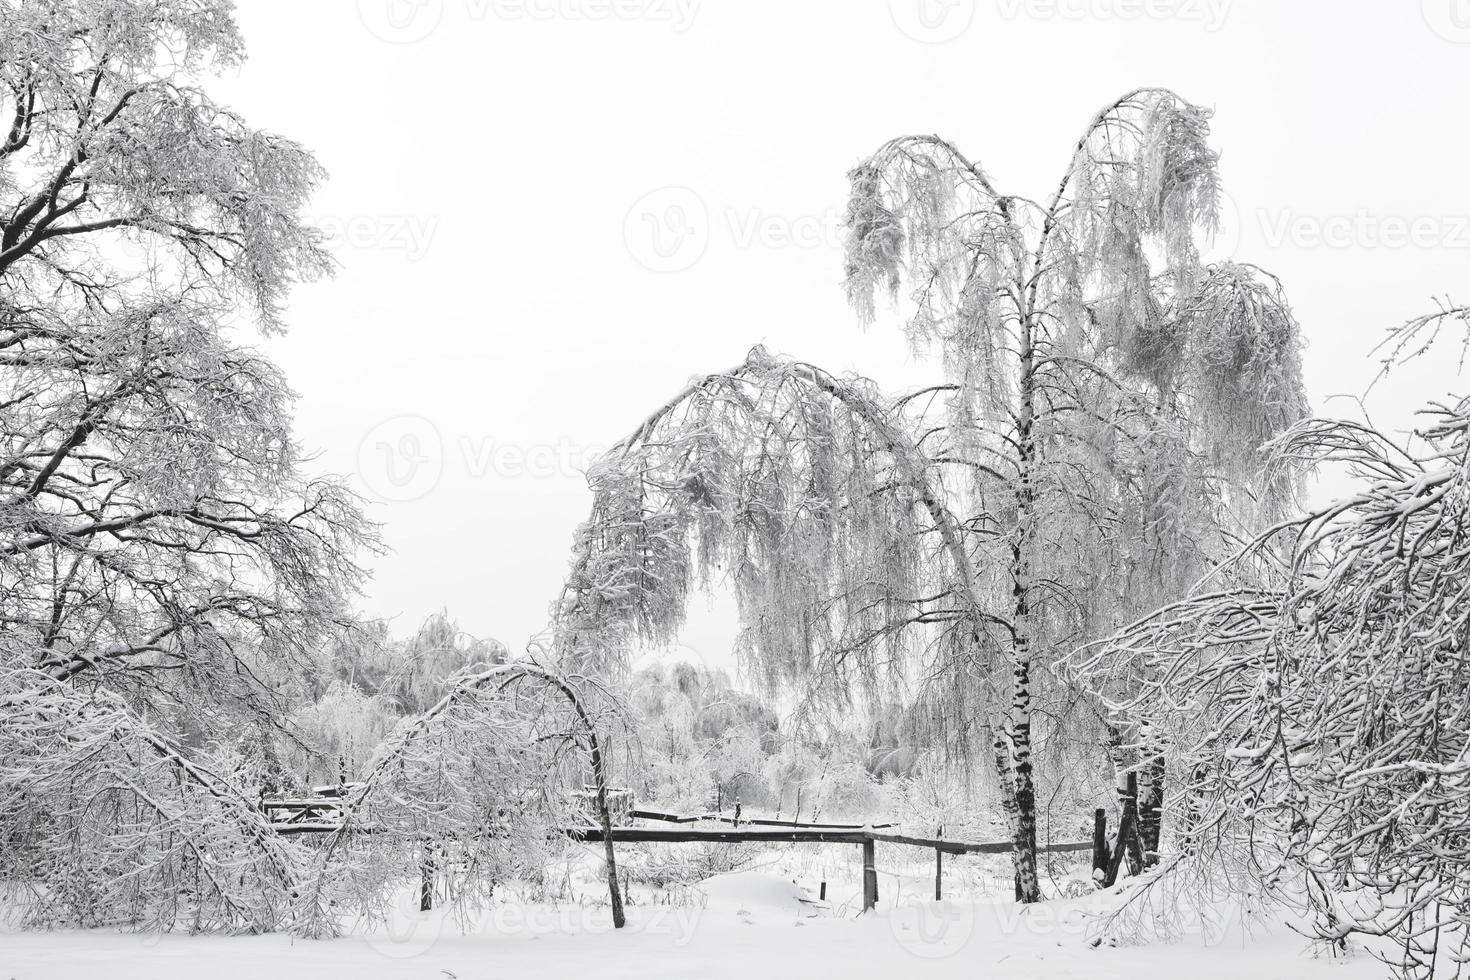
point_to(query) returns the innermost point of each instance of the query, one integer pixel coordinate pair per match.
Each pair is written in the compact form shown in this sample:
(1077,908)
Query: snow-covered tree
(483,782)
(337,734)
(104,821)
(166,568)
(1088,454)
(155,522)
(364,680)
(1317,689)
(702,744)
(437,651)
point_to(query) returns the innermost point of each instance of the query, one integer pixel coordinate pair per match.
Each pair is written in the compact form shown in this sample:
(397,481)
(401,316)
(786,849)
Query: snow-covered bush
(702,743)
(478,787)
(1314,695)
(105,821)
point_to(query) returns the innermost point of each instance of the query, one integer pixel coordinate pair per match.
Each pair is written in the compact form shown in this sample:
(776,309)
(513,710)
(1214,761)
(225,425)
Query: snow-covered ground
(746,925)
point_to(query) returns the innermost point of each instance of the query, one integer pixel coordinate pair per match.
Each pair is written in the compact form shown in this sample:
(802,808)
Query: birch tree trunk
(1151,809)
(1018,728)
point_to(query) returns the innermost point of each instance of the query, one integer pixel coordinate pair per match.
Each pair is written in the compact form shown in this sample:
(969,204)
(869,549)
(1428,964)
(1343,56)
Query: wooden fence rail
(314,816)
(739,821)
(864,838)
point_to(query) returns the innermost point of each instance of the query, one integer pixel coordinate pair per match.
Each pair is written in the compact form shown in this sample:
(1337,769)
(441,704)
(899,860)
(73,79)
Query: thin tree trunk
(1193,809)
(604,816)
(604,812)
(1151,810)
(1018,727)
(615,896)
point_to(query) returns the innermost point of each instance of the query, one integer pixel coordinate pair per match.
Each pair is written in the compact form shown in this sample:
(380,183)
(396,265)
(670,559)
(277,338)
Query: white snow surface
(752,926)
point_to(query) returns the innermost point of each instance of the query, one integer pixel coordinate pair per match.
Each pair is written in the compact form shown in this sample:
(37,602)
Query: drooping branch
(1316,688)
(697,478)
(77,773)
(479,770)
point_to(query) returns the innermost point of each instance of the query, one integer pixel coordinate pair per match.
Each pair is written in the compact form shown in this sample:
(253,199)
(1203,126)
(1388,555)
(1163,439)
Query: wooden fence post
(870,877)
(1127,843)
(939,867)
(1100,847)
(1115,860)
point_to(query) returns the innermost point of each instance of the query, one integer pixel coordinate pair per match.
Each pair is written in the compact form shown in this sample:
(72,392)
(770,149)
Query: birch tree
(1089,451)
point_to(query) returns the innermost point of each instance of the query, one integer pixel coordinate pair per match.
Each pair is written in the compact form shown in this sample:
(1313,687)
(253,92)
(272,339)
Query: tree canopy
(1092,450)
(168,566)
(1315,688)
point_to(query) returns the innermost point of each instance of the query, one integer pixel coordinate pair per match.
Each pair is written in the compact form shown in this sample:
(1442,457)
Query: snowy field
(747,924)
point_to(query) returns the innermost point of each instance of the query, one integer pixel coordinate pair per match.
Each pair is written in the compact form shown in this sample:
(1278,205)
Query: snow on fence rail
(320,815)
(737,820)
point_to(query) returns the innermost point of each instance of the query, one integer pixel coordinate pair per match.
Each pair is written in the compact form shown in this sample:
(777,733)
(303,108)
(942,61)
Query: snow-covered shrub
(478,788)
(339,731)
(1314,696)
(107,822)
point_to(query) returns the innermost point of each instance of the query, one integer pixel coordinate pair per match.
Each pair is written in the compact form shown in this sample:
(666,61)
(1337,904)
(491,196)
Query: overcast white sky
(551,213)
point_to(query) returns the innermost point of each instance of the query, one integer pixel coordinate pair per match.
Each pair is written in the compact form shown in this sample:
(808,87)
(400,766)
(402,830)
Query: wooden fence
(322,815)
(865,838)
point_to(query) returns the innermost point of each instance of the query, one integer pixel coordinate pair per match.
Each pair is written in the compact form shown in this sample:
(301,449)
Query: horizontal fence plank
(754,831)
(720,835)
(804,835)
(270,806)
(316,827)
(974,847)
(750,821)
